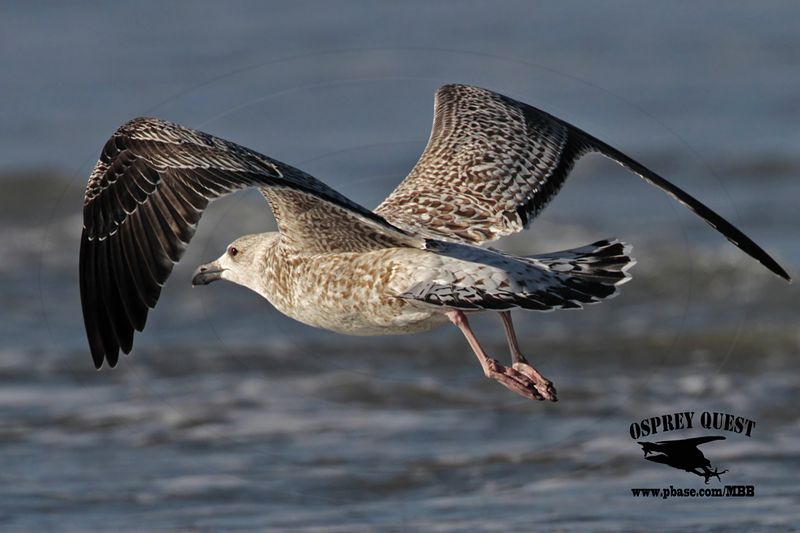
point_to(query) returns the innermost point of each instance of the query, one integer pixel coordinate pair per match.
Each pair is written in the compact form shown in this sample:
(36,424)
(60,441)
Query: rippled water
(229,416)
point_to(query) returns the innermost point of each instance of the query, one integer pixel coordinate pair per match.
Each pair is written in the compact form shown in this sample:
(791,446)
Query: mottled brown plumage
(490,166)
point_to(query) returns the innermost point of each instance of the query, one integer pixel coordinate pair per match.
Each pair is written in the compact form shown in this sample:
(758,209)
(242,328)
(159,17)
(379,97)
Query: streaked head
(242,262)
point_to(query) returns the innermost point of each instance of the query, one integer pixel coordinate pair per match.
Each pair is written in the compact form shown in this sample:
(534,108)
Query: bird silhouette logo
(684,455)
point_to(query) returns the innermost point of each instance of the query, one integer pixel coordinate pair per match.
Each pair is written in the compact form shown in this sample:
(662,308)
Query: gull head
(242,263)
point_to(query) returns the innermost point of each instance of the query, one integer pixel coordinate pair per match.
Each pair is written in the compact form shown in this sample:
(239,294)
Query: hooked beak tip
(205,274)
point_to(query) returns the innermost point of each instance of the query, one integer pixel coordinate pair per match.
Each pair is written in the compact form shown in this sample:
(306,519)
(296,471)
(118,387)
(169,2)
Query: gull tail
(605,262)
(497,281)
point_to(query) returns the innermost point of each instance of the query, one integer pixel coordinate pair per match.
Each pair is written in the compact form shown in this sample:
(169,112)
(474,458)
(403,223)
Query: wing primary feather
(90,303)
(152,256)
(106,325)
(171,224)
(732,233)
(130,295)
(159,241)
(140,270)
(117,311)
(184,214)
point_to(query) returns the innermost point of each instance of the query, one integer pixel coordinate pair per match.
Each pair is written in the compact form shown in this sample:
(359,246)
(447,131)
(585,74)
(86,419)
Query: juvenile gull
(414,263)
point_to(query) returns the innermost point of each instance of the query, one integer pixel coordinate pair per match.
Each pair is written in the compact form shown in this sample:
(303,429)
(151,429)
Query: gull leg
(521,365)
(508,377)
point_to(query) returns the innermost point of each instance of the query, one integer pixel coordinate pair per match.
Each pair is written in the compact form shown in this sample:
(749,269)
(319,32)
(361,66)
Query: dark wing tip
(776,269)
(741,241)
(731,232)
(94,319)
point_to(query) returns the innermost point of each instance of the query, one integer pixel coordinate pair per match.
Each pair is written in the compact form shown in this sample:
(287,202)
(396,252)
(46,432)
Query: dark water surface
(229,416)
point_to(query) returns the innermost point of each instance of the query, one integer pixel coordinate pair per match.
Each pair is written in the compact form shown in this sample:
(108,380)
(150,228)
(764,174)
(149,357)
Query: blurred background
(229,416)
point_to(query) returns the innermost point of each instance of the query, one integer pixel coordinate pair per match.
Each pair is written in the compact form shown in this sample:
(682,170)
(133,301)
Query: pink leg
(508,377)
(521,365)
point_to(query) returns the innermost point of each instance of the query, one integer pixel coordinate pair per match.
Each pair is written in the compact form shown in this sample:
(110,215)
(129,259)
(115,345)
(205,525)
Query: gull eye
(232,251)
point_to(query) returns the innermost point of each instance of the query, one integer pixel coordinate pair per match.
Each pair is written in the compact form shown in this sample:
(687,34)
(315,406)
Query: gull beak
(207,273)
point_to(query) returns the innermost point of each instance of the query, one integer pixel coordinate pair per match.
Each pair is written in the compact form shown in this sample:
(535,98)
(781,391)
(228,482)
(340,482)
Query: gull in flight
(412,264)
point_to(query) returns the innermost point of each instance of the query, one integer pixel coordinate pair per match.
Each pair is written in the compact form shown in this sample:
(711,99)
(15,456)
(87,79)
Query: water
(229,416)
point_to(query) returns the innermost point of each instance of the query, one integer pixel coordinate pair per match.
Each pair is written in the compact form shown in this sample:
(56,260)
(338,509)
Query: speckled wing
(487,169)
(143,202)
(493,163)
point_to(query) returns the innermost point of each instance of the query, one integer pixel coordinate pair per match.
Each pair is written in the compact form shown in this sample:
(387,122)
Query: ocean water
(229,416)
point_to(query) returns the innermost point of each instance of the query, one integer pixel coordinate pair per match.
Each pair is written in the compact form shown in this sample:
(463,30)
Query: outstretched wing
(492,164)
(145,197)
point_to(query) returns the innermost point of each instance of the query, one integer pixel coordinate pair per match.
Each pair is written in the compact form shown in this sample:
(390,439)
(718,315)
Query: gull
(414,263)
